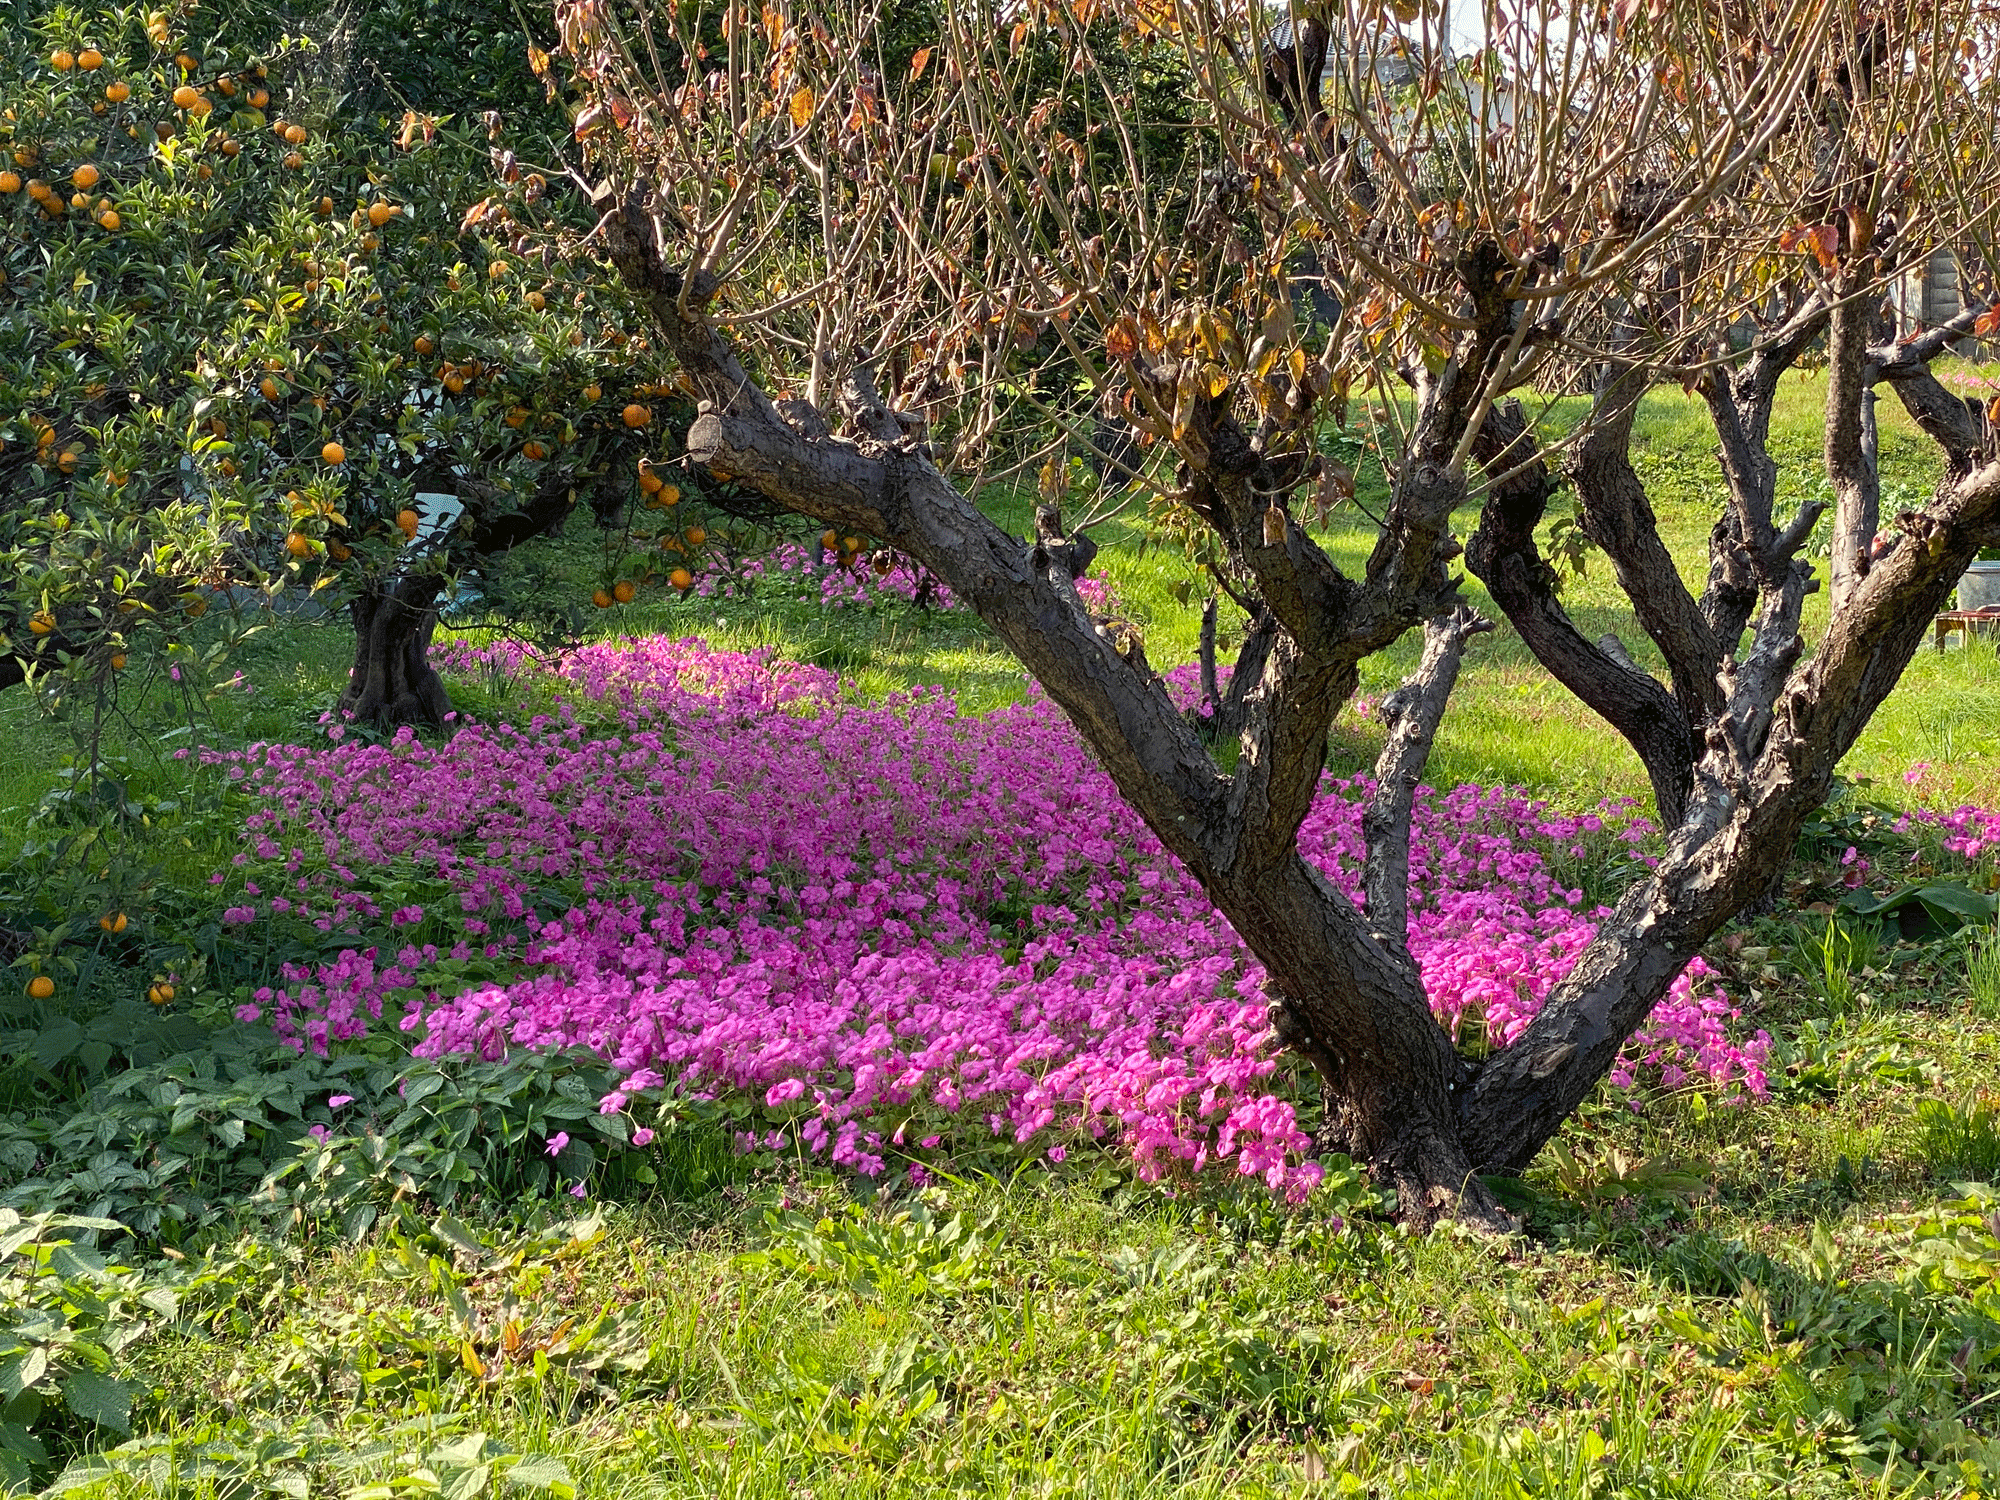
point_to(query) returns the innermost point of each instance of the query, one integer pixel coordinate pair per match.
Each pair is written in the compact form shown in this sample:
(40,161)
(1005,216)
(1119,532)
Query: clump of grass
(1961,1140)
(1834,961)
(1982,974)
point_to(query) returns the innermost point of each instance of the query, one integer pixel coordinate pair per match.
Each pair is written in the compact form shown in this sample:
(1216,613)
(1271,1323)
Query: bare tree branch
(1411,714)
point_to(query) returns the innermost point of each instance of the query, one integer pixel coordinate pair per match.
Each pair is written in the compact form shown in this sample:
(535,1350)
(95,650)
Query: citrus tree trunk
(392,681)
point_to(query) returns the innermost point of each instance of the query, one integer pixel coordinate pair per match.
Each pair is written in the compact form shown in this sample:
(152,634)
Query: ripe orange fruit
(259,98)
(86,176)
(696,535)
(63,61)
(601,599)
(852,543)
(232,147)
(299,544)
(333,453)
(623,591)
(423,344)
(113,923)
(454,382)
(295,134)
(637,415)
(325,205)
(118,661)
(650,482)
(185,62)
(537,301)
(670,494)
(534,452)
(90,59)
(10,182)
(269,387)
(381,213)
(41,987)
(118,92)
(160,994)
(226,86)
(41,622)
(79,200)
(681,579)
(516,416)
(495,271)
(590,392)
(109,220)
(185,97)
(339,551)
(407,522)
(293,161)
(829,540)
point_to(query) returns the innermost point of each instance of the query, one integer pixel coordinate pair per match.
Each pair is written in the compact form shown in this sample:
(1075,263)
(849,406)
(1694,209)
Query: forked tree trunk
(1346,993)
(392,681)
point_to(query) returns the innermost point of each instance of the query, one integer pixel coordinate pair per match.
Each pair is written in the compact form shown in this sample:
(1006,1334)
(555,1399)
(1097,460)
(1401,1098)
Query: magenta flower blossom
(557,1141)
(875,920)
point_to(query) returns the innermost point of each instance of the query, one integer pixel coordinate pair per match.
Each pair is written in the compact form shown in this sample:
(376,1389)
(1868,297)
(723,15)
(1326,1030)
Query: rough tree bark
(1741,765)
(1356,1009)
(391,681)
(1179,315)
(1229,708)
(1768,732)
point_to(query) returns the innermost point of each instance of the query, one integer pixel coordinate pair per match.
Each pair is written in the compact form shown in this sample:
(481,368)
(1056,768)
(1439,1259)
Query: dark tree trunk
(1229,708)
(1345,993)
(392,681)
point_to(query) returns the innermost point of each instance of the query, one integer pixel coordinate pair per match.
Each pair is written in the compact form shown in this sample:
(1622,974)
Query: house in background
(1931,296)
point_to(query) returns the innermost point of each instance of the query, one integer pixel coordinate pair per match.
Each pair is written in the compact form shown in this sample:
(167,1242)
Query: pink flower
(557,1141)
(643,1136)
(747,885)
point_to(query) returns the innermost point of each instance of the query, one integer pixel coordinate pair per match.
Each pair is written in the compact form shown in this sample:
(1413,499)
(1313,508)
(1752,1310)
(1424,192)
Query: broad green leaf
(21,1371)
(100,1399)
(541,1471)
(455,1234)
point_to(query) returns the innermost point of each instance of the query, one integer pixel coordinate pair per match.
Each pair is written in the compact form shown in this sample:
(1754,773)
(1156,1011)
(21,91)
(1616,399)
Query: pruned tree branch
(1504,556)
(1411,714)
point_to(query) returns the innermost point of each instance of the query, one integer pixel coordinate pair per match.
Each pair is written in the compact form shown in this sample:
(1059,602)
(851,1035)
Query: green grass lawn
(1795,1297)
(1509,721)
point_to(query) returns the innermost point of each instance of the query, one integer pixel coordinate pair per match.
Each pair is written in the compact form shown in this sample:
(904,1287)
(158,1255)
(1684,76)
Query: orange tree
(253,302)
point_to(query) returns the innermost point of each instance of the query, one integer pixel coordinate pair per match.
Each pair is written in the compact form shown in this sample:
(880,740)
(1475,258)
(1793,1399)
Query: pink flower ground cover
(878,927)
